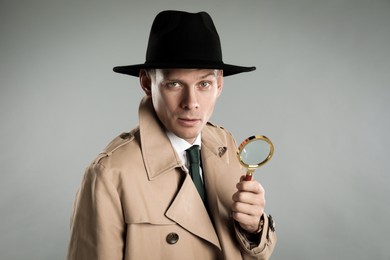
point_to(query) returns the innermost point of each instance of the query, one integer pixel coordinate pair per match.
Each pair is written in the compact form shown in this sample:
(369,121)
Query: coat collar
(154,141)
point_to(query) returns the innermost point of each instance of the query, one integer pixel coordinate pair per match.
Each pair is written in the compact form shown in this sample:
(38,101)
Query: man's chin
(187,136)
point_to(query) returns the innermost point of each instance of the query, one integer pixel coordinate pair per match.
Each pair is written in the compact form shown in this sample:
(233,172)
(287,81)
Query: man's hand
(248,204)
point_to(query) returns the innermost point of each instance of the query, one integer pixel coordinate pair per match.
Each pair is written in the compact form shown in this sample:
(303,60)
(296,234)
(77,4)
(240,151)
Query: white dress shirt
(180,145)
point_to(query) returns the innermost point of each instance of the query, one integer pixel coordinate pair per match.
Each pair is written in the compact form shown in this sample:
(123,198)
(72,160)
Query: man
(145,196)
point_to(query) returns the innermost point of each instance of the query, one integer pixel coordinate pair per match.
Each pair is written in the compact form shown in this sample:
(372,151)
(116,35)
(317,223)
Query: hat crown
(182,37)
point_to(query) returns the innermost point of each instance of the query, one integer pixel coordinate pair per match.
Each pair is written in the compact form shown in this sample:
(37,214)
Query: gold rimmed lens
(253,152)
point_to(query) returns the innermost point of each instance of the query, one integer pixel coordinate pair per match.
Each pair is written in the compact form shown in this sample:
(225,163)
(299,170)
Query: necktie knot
(193,154)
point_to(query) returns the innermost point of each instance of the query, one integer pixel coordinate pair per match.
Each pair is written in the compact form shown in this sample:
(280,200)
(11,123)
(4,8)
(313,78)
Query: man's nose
(190,98)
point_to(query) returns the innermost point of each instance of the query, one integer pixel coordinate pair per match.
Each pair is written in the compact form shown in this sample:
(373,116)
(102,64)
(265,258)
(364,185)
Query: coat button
(172,238)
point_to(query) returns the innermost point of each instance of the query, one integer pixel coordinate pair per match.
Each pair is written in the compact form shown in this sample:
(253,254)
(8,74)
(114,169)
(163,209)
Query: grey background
(321,94)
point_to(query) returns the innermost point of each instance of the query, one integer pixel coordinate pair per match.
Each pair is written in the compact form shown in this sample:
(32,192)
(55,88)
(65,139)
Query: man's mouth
(188,121)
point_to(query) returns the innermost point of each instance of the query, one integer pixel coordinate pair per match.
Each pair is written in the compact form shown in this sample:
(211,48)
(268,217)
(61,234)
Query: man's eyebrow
(208,74)
(169,77)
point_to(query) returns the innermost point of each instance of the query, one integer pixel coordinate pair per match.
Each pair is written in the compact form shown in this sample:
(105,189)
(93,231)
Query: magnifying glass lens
(255,152)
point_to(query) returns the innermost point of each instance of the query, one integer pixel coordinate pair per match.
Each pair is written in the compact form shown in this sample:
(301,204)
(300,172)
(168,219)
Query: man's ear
(145,82)
(220,82)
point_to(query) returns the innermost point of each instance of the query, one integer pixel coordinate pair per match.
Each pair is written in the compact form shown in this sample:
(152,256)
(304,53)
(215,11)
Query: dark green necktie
(193,157)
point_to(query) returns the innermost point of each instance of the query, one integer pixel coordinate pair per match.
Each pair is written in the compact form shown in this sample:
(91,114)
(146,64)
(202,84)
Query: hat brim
(228,70)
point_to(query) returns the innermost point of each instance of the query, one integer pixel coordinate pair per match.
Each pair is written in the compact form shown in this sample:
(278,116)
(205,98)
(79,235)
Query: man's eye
(204,84)
(173,84)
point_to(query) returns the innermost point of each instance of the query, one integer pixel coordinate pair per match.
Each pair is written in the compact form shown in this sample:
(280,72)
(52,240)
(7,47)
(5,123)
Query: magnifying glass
(253,152)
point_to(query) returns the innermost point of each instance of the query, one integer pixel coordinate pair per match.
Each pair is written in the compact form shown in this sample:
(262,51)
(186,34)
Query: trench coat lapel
(222,173)
(157,152)
(188,210)
(217,166)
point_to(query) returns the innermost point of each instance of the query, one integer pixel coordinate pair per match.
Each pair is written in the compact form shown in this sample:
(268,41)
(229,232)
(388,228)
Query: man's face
(183,99)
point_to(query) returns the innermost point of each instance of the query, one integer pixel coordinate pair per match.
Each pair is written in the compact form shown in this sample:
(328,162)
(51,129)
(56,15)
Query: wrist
(260,225)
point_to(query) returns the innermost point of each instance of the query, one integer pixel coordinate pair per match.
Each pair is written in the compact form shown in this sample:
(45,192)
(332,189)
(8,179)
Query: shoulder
(219,135)
(218,130)
(122,144)
(121,155)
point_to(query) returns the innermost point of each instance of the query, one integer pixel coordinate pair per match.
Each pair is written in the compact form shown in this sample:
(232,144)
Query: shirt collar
(180,145)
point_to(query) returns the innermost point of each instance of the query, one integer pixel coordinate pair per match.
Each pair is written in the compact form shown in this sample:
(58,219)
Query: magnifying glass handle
(248,176)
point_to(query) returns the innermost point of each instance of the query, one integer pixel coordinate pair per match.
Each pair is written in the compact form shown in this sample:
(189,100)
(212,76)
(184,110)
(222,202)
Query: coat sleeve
(266,243)
(97,224)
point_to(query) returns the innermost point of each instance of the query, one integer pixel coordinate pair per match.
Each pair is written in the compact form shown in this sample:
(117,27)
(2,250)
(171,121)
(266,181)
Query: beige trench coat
(137,201)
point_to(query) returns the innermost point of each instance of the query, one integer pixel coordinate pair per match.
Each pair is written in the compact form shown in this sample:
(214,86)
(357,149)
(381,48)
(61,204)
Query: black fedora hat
(183,40)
